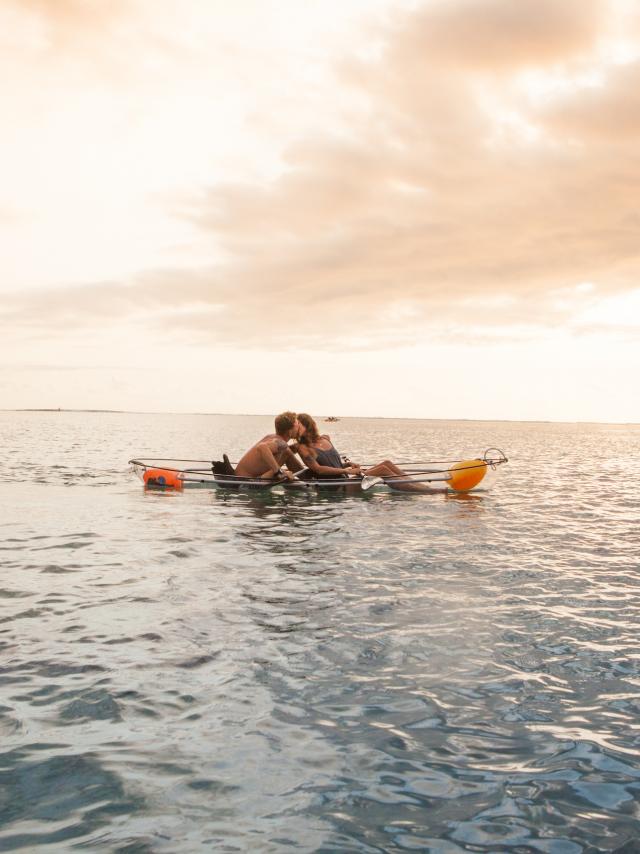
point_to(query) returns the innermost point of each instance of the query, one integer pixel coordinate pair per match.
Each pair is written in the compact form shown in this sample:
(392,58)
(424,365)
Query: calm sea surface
(195,671)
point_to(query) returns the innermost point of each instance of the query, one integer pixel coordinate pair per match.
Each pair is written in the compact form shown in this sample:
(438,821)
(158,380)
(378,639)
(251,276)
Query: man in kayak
(266,456)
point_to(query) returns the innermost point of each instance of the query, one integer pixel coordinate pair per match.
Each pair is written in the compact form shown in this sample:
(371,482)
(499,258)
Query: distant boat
(332,418)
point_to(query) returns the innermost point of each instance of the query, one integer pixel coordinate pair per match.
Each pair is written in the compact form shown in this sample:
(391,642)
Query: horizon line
(340,417)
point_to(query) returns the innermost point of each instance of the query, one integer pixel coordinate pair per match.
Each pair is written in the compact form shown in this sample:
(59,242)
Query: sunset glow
(372,207)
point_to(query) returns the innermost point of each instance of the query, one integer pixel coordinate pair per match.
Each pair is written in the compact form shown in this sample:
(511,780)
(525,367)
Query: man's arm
(267,451)
(291,461)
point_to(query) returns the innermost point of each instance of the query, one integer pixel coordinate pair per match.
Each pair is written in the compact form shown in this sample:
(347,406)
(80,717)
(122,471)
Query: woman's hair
(311,434)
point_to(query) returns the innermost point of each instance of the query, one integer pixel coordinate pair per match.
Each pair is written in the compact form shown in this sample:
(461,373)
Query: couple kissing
(316,454)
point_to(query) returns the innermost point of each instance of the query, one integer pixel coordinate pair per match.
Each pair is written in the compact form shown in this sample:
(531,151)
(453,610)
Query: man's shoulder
(273,438)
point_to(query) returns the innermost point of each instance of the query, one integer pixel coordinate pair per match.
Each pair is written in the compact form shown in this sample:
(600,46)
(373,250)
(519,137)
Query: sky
(352,207)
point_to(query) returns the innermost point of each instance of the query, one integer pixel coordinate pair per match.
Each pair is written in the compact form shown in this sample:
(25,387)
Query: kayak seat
(222,466)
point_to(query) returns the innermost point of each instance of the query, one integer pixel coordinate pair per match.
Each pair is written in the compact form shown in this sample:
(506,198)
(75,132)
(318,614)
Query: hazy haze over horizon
(373,207)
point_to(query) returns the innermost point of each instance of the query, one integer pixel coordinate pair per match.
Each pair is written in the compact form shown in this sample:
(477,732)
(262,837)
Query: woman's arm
(309,459)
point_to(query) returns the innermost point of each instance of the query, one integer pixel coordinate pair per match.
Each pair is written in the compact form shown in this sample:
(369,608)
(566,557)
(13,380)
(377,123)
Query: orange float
(466,474)
(164,478)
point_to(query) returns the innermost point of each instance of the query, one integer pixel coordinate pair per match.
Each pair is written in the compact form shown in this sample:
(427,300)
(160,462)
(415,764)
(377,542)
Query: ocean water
(194,671)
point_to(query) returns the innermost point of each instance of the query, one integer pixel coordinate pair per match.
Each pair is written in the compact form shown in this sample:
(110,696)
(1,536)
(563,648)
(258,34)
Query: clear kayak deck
(199,473)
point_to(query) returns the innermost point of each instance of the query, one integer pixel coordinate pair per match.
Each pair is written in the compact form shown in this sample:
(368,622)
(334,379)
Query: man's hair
(284,422)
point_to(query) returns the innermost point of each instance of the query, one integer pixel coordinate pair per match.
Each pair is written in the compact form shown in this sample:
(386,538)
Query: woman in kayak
(323,460)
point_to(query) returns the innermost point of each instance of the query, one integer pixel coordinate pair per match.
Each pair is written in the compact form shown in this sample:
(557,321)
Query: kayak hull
(457,475)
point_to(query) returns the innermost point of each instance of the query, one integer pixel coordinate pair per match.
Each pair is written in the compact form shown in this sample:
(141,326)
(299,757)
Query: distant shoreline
(340,418)
(62,409)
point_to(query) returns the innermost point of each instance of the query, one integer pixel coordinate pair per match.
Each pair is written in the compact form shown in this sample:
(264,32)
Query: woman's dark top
(328,458)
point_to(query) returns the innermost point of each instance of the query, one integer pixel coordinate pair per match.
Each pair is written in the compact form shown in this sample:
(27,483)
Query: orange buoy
(162,477)
(467,474)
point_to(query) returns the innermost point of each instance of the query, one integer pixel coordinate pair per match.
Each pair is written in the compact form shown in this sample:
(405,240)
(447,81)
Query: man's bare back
(264,458)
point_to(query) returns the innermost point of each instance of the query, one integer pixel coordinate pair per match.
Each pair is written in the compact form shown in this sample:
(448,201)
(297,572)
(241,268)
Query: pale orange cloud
(500,35)
(64,25)
(454,198)
(69,29)
(607,112)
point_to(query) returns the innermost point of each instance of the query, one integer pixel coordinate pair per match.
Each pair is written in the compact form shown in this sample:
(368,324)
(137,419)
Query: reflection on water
(206,670)
(40,791)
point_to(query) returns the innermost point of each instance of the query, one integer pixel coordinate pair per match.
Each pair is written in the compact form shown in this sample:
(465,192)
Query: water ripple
(194,671)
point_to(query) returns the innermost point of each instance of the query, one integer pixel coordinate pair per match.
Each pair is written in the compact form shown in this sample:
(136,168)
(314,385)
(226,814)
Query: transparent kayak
(458,475)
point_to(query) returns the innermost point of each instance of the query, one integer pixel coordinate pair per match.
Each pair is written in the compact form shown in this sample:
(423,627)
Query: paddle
(369,481)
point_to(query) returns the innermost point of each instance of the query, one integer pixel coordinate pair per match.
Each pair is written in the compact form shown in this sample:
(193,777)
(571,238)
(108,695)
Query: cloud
(455,199)
(54,368)
(61,21)
(608,112)
(500,35)
(11,214)
(87,46)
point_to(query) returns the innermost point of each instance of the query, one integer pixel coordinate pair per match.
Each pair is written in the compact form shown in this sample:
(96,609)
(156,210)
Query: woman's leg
(384,469)
(388,469)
